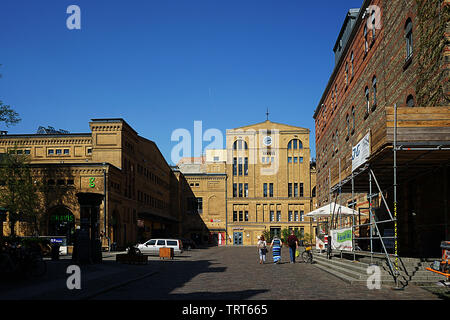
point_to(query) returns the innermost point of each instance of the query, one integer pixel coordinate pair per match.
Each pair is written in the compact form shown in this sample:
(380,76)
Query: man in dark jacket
(293,244)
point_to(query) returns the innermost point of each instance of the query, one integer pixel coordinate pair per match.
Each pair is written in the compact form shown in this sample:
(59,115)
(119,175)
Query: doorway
(237,238)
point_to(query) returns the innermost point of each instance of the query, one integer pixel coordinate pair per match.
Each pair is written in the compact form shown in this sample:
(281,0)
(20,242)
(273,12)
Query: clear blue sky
(163,64)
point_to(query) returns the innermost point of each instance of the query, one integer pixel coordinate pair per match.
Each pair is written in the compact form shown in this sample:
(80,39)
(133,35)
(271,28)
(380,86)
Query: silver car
(152,246)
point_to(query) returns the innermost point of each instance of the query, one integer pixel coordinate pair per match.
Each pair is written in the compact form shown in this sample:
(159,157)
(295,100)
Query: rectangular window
(270,189)
(89,150)
(27,151)
(234,216)
(245,166)
(240,166)
(246,190)
(240,216)
(265,190)
(295,215)
(272,216)
(301,190)
(290,216)
(58,151)
(246,215)
(278,216)
(240,190)
(300,159)
(302,215)
(234,166)
(51,152)
(216,159)
(289,190)
(200,205)
(295,159)
(66,151)
(295,189)
(289,159)
(234,190)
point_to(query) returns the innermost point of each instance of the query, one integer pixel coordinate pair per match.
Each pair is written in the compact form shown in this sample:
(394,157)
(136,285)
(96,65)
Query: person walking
(262,249)
(276,249)
(293,244)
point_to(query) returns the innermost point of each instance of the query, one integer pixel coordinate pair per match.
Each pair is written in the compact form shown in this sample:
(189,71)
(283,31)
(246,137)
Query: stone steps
(356,271)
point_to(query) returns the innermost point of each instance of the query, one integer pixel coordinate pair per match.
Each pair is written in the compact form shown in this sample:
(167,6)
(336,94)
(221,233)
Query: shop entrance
(62,223)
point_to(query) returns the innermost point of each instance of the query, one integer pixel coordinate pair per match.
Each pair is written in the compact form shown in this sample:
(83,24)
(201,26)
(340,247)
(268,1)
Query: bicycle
(307,255)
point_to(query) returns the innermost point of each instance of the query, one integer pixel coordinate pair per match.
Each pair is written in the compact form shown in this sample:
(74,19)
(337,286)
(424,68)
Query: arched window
(352,60)
(373,25)
(295,144)
(240,145)
(366,42)
(353,119)
(374,88)
(410,101)
(408,38)
(366,93)
(346,73)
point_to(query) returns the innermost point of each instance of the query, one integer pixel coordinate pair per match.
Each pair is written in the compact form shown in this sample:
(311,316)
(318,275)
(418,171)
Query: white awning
(328,210)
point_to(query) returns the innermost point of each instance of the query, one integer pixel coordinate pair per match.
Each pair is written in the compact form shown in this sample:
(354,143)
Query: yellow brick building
(113,160)
(262,181)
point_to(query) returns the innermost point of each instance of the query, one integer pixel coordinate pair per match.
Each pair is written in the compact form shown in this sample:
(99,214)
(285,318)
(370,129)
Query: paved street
(218,273)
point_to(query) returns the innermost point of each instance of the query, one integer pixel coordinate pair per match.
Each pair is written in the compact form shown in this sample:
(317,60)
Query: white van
(151,247)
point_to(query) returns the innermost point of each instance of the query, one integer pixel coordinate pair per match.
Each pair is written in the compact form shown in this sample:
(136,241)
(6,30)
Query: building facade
(260,183)
(112,160)
(392,63)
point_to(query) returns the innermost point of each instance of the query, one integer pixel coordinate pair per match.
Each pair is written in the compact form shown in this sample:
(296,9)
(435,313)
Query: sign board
(341,239)
(361,152)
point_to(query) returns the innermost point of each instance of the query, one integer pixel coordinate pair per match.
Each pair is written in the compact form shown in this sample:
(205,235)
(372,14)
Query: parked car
(188,244)
(152,246)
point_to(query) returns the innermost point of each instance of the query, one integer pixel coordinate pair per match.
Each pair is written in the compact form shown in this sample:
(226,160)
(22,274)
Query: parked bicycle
(307,255)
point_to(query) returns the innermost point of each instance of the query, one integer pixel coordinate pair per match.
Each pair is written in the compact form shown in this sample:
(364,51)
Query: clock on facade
(267,141)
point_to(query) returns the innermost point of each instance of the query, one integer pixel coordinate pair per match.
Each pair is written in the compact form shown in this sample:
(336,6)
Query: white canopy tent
(328,210)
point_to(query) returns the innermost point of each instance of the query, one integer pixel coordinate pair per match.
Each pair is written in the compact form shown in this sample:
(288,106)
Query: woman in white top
(262,249)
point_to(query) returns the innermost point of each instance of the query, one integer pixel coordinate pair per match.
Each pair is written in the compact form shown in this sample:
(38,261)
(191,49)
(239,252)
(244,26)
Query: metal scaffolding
(386,241)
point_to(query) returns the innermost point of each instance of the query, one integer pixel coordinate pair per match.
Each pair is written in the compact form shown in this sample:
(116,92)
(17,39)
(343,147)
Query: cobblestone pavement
(234,273)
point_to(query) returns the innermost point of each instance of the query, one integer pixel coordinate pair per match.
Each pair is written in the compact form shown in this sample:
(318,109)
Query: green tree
(19,191)
(8,115)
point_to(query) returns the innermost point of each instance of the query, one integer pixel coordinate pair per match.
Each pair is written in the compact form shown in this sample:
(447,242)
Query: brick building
(139,187)
(260,182)
(390,53)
